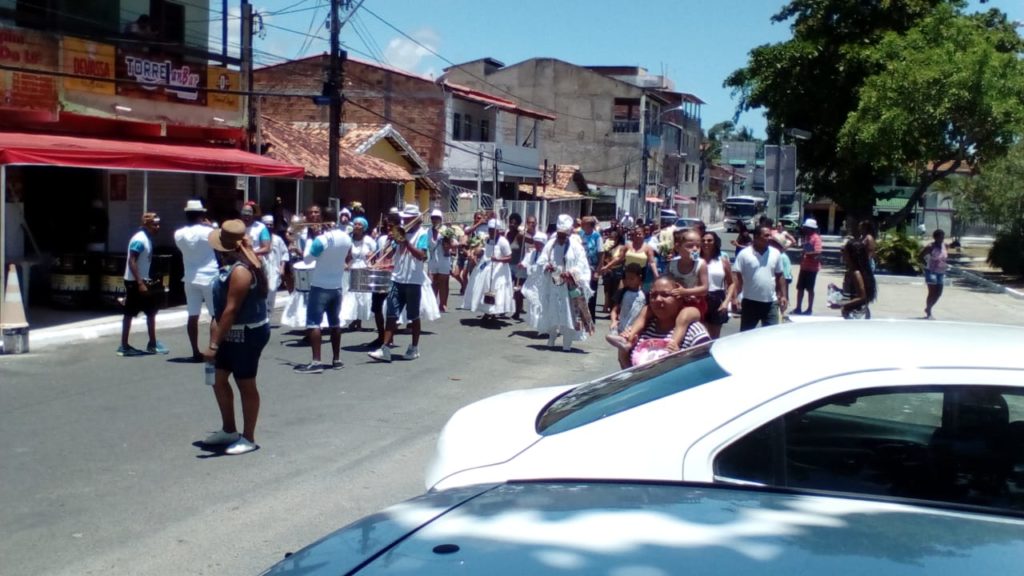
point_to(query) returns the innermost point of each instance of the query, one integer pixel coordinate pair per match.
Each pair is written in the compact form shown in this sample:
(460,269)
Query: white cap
(193,206)
(435,213)
(811,223)
(268,220)
(492,223)
(345,211)
(565,223)
(540,237)
(410,211)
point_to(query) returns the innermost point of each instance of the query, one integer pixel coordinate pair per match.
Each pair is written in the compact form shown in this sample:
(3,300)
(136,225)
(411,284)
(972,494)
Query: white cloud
(408,55)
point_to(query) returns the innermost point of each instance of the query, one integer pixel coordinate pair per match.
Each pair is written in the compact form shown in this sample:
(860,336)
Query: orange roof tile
(551,192)
(308,148)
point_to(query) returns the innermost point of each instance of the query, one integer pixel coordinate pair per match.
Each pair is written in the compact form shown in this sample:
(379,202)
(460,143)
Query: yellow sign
(220,78)
(87,58)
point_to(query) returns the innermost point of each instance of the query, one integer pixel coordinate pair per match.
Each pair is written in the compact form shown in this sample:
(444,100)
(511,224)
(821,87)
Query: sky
(696,43)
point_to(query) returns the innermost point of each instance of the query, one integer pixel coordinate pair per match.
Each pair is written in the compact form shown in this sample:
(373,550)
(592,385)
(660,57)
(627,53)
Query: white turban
(564,223)
(540,237)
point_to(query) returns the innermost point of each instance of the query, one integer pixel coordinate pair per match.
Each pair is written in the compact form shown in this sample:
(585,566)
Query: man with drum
(408,275)
(330,251)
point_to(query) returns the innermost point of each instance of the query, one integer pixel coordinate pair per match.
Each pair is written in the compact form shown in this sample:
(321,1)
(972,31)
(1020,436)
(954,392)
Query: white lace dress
(356,305)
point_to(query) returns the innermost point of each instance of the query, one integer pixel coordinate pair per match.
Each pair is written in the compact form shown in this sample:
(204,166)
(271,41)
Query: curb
(111,326)
(982,281)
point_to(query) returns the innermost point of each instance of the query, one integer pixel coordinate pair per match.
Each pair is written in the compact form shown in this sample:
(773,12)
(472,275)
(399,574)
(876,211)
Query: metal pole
(145,191)
(298,194)
(479,180)
(224,28)
(3,239)
(778,176)
(333,86)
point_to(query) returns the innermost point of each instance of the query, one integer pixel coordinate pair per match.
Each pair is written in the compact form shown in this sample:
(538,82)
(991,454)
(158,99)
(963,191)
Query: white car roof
(819,349)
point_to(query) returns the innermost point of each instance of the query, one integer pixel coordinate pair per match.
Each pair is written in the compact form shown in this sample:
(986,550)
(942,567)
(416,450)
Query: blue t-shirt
(592,243)
(142,247)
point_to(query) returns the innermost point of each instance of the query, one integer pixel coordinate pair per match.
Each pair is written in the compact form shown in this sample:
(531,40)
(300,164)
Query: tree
(813,80)
(950,95)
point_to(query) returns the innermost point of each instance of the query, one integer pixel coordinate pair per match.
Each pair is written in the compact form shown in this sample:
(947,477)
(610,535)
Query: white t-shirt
(329,249)
(141,245)
(258,233)
(758,272)
(196,255)
(410,270)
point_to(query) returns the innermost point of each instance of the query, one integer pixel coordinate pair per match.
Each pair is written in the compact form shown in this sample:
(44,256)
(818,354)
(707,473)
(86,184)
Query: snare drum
(369,280)
(303,275)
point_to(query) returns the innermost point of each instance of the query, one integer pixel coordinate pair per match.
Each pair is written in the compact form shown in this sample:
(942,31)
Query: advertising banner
(31,50)
(163,77)
(87,58)
(223,79)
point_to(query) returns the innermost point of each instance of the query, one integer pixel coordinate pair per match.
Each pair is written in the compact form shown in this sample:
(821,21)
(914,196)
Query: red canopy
(49,150)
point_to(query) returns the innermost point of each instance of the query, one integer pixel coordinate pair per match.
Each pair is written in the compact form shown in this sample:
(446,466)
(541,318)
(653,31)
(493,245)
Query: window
(951,444)
(626,115)
(168,20)
(66,15)
(624,390)
(457,126)
(485,130)
(467,127)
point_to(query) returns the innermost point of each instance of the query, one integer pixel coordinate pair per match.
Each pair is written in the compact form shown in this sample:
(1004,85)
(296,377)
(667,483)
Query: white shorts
(439,266)
(195,295)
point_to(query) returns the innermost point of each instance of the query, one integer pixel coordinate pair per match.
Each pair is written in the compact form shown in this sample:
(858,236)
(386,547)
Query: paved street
(101,475)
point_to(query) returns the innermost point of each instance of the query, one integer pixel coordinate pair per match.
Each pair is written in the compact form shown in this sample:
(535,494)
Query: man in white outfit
(200,265)
(566,277)
(275,261)
(330,251)
(407,280)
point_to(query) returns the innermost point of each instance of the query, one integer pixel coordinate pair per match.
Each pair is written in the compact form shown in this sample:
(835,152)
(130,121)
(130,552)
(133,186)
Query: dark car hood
(649,528)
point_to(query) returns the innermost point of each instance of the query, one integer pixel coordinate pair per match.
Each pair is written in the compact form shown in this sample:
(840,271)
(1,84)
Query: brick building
(374,94)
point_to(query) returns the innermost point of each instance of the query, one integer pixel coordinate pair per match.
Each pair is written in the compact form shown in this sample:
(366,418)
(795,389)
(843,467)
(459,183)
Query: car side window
(961,444)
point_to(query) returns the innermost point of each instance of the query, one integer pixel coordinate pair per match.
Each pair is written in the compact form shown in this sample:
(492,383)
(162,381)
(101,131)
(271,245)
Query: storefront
(70,204)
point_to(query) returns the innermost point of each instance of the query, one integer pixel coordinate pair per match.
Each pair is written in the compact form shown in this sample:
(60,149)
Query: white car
(916,409)
(570,528)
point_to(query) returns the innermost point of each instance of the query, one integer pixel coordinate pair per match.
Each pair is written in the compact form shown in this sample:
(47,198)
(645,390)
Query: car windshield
(628,389)
(741,210)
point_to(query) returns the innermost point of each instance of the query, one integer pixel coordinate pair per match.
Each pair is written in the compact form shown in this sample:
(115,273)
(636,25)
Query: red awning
(49,150)
(654,199)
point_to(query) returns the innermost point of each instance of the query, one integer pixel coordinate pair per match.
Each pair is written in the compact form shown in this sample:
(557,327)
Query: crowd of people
(665,289)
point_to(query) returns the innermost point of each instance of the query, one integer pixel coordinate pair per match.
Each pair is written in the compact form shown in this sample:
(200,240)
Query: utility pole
(333,89)
(246,72)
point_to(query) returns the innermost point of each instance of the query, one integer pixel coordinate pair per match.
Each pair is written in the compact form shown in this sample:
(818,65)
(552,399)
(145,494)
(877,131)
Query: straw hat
(231,237)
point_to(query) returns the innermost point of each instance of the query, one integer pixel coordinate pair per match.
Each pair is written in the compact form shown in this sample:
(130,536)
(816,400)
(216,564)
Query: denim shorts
(239,353)
(323,300)
(934,278)
(407,297)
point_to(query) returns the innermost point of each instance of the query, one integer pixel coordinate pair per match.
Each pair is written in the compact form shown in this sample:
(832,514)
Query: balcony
(463,160)
(625,126)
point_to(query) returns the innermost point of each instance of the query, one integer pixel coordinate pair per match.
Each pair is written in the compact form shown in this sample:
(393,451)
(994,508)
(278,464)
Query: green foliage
(1007,252)
(899,253)
(887,87)
(996,194)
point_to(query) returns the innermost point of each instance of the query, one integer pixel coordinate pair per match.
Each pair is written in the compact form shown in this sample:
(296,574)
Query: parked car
(927,410)
(686,223)
(791,225)
(573,527)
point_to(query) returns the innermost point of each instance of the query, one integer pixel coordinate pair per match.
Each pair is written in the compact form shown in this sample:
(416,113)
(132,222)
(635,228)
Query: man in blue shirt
(592,244)
(141,292)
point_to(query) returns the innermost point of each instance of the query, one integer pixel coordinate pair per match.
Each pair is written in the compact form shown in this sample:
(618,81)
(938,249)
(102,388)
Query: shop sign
(86,58)
(160,77)
(220,78)
(30,50)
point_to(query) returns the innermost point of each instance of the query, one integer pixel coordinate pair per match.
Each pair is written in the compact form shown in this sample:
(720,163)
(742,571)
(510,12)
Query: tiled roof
(551,193)
(359,138)
(468,93)
(564,174)
(308,148)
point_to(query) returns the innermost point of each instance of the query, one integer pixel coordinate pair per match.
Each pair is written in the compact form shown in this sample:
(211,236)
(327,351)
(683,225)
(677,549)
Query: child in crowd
(628,303)
(671,325)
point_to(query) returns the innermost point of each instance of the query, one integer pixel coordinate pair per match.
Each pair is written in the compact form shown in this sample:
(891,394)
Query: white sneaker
(412,353)
(551,339)
(220,438)
(381,355)
(566,343)
(241,446)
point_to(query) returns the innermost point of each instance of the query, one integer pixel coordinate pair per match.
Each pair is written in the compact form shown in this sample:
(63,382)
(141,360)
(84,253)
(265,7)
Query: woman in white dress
(493,276)
(355,306)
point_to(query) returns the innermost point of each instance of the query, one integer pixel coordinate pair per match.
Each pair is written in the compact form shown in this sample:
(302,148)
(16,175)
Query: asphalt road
(101,473)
